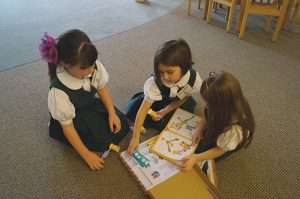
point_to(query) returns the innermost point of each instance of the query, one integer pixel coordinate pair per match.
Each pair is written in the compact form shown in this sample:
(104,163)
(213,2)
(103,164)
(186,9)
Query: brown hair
(74,47)
(173,53)
(225,99)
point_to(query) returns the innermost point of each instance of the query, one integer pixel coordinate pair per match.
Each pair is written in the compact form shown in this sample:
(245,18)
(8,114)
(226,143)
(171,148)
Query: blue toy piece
(140,159)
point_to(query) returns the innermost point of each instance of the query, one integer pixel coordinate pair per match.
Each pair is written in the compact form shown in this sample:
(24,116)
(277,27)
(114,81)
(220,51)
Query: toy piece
(151,142)
(113,147)
(140,159)
(152,113)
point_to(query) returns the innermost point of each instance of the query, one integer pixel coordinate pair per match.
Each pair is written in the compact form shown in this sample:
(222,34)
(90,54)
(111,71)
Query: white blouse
(229,140)
(59,104)
(152,92)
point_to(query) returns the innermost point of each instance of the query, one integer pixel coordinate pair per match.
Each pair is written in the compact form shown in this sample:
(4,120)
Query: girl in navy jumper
(170,87)
(78,117)
(228,123)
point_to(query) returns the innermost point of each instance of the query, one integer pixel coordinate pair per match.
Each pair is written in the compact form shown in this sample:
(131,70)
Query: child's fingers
(186,158)
(157,117)
(129,151)
(131,148)
(117,127)
(195,139)
(186,168)
(102,161)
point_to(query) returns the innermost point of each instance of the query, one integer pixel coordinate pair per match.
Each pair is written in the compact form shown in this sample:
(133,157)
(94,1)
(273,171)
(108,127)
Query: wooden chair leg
(189,7)
(205,9)
(268,24)
(199,3)
(230,16)
(227,13)
(295,13)
(240,17)
(215,6)
(280,20)
(210,3)
(244,21)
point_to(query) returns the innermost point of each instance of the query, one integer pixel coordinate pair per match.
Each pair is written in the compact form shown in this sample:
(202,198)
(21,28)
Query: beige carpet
(35,166)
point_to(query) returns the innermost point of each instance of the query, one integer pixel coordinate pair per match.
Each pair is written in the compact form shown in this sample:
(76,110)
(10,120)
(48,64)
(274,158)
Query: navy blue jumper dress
(91,119)
(136,101)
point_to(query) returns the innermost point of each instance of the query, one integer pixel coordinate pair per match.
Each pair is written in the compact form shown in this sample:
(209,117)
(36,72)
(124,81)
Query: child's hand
(94,161)
(197,136)
(159,114)
(134,143)
(114,123)
(189,162)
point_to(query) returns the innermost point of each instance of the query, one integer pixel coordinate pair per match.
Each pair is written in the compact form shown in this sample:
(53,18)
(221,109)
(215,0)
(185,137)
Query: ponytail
(48,52)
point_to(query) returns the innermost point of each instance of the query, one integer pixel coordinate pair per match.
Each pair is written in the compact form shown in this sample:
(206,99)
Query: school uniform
(162,95)
(230,141)
(73,100)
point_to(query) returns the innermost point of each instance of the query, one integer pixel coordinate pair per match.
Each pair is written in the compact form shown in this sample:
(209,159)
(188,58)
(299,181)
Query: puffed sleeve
(229,140)
(60,106)
(197,85)
(151,91)
(103,75)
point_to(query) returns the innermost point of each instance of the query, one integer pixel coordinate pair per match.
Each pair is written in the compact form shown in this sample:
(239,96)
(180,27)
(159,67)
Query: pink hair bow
(48,49)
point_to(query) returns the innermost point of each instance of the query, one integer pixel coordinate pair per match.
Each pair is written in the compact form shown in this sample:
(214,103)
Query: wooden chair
(199,2)
(231,5)
(296,9)
(291,14)
(276,8)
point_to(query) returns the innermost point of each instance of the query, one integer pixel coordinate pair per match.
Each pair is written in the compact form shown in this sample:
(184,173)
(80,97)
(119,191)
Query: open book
(160,176)
(158,170)
(175,141)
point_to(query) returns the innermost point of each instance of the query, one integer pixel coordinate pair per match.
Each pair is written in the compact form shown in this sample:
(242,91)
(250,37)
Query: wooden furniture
(277,8)
(291,15)
(295,11)
(231,5)
(199,2)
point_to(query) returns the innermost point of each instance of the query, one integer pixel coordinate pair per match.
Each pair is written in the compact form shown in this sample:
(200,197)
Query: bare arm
(210,154)
(197,136)
(114,120)
(139,121)
(207,155)
(94,161)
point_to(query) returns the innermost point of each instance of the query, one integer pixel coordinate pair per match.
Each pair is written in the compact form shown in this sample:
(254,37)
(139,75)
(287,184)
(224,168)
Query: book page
(175,141)
(172,146)
(158,171)
(183,123)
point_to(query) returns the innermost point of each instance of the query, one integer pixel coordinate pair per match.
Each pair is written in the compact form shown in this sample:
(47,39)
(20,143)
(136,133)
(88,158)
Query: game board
(175,141)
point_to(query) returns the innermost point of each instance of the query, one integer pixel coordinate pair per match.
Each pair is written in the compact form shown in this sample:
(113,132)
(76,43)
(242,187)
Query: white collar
(181,83)
(67,79)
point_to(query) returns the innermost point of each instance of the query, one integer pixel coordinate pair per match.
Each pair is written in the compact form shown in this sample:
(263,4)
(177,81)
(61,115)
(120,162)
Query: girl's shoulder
(150,83)
(151,90)
(100,67)
(230,138)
